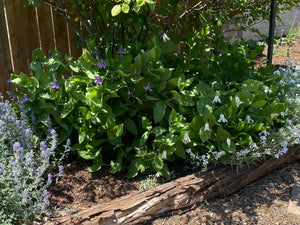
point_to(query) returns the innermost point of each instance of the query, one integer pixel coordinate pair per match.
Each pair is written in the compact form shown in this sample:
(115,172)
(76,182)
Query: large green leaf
(204,106)
(159,111)
(130,126)
(68,108)
(116,10)
(154,53)
(205,135)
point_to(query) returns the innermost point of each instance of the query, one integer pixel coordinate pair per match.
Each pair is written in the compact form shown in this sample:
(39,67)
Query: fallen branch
(180,193)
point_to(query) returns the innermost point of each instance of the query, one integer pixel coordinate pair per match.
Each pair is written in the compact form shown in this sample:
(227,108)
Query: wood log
(180,193)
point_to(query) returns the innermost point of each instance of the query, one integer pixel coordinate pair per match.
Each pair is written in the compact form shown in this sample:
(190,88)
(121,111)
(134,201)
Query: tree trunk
(180,193)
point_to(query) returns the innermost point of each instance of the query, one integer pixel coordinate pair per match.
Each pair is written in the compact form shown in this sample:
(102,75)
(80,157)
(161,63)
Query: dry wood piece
(180,193)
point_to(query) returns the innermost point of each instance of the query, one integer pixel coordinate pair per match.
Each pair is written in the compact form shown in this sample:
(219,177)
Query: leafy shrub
(139,114)
(24,168)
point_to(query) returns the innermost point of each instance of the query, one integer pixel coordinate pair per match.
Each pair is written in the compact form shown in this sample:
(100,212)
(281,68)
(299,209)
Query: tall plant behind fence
(23,29)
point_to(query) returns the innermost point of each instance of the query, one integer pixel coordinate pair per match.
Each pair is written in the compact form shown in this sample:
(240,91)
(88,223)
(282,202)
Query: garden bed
(261,202)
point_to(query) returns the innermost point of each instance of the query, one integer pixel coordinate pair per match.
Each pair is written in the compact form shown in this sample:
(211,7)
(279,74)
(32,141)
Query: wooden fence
(23,29)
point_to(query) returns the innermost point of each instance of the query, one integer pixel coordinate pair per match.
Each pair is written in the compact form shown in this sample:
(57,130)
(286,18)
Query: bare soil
(264,201)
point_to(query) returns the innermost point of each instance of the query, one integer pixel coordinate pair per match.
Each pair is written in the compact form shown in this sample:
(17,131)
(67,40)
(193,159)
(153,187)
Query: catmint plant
(24,168)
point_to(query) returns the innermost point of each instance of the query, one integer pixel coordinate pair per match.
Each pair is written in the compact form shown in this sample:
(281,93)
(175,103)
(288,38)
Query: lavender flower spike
(148,87)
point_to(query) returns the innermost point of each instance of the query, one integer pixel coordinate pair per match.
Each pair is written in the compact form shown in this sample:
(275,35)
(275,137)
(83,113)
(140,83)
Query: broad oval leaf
(159,111)
(116,10)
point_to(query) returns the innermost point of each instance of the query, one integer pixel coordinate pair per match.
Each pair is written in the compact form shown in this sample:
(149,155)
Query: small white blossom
(216,99)
(165,37)
(228,142)
(264,132)
(186,138)
(206,128)
(249,120)
(222,118)
(164,155)
(267,90)
(238,101)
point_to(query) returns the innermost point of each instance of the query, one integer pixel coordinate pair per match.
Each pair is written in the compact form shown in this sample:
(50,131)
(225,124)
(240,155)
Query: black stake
(271,31)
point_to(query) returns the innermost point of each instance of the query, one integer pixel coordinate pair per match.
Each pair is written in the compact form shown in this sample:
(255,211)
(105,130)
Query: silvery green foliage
(24,168)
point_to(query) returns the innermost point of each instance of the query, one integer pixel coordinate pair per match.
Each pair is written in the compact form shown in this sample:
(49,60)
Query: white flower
(228,142)
(164,155)
(222,118)
(186,138)
(165,37)
(157,175)
(248,118)
(189,151)
(267,90)
(264,132)
(206,128)
(281,82)
(216,99)
(238,101)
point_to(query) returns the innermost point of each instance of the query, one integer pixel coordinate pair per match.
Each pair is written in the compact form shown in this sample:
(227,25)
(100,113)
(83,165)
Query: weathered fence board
(5,62)
(30,28)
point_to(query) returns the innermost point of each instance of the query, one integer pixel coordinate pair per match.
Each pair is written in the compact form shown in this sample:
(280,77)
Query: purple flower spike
(101,64)
(121,51)
(148,87)
(98,80)
(54,86)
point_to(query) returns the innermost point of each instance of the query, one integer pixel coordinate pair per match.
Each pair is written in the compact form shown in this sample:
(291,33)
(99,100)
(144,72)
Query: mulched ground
(264,201)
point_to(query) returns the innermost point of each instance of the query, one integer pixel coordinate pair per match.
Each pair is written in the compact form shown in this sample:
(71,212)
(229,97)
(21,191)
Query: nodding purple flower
(148,87)
(135,74)
(25,99)
(50,53)
(37,59)
(9,81)
(98,80)
(54,86)
(101,64)
(121,51)
(129,94)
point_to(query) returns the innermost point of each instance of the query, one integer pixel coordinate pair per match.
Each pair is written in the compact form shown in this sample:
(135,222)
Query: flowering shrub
(24,169)
(140,114)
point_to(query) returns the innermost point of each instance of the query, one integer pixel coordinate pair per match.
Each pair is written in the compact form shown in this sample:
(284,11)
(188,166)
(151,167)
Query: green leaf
(135,166)
(68,108)
(169,139)
(130,126)
(157,163)
(205,135)
(204,106)
(180,150)
(154,53)
(125,8)
(86,56)
(144,138)
(222,134)
(245,97)
(95,167)
(159,111)
(250,86)
(85,155)
(81,137)
(258,104)
(116,10)
(140,3)
(183,100)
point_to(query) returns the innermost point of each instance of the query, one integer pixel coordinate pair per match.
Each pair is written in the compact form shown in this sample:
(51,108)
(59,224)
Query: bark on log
(180,193)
